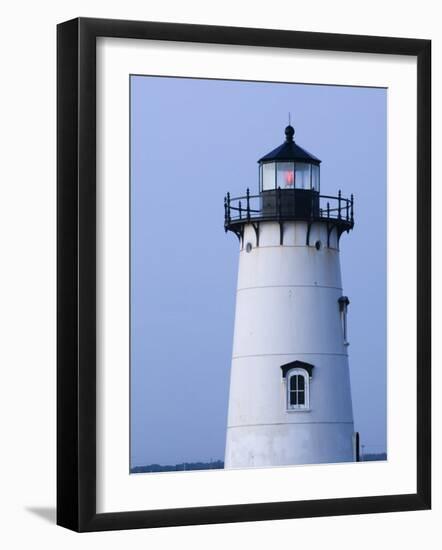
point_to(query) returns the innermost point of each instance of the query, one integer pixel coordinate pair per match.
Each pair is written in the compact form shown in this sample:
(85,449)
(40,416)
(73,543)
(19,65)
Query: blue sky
(191,142)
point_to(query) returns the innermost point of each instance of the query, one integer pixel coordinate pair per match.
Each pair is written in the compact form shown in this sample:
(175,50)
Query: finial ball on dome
(289,133)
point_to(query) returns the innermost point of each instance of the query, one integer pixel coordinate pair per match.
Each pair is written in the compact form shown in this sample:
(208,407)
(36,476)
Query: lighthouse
(290,396)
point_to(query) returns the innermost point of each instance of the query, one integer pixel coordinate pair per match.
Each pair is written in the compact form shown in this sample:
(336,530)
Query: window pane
(315,177)
(285,178)
(302,175)
(293,385)
(301,382)
(293,398)
(268,176)
(301,398)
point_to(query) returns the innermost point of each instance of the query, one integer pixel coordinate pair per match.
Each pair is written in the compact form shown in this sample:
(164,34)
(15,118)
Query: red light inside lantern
(289,178)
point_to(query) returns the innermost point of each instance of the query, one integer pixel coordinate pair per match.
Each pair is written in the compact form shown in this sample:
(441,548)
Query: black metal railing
(283,206)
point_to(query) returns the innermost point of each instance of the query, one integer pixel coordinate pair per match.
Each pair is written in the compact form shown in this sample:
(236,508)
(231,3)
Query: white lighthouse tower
(290,398)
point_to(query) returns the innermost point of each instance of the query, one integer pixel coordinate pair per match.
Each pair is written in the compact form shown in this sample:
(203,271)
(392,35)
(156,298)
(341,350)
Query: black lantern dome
(289,150)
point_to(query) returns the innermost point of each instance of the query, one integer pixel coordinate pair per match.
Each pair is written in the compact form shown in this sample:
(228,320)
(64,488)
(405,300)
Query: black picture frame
(77,288)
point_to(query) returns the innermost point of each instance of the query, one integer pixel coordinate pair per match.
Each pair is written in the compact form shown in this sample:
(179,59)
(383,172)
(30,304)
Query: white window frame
(298,372)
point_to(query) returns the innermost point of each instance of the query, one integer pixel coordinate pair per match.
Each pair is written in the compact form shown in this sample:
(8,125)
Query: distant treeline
(373,456)
(215,465)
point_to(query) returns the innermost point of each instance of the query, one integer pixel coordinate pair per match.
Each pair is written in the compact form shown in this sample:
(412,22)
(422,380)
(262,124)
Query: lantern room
(289,180)
(289,190)
(289,167)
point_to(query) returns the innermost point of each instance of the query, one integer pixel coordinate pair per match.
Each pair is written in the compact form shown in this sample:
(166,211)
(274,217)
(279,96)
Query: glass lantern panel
(315,177)
(268,176)
(302,175)
(285,175)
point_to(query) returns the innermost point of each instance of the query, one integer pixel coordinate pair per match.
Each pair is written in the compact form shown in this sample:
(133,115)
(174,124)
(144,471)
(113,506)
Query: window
(285,175)
(288,175)
(268,176)
(315,177)
(297,389)
(303,175)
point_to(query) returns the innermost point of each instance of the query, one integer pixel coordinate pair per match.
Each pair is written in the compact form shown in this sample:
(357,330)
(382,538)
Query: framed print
(243,274)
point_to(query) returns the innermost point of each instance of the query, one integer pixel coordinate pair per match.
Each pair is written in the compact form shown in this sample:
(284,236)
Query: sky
(192,140)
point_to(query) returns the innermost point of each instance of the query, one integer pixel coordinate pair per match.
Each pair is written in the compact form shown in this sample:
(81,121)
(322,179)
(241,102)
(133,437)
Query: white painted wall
(286,310)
